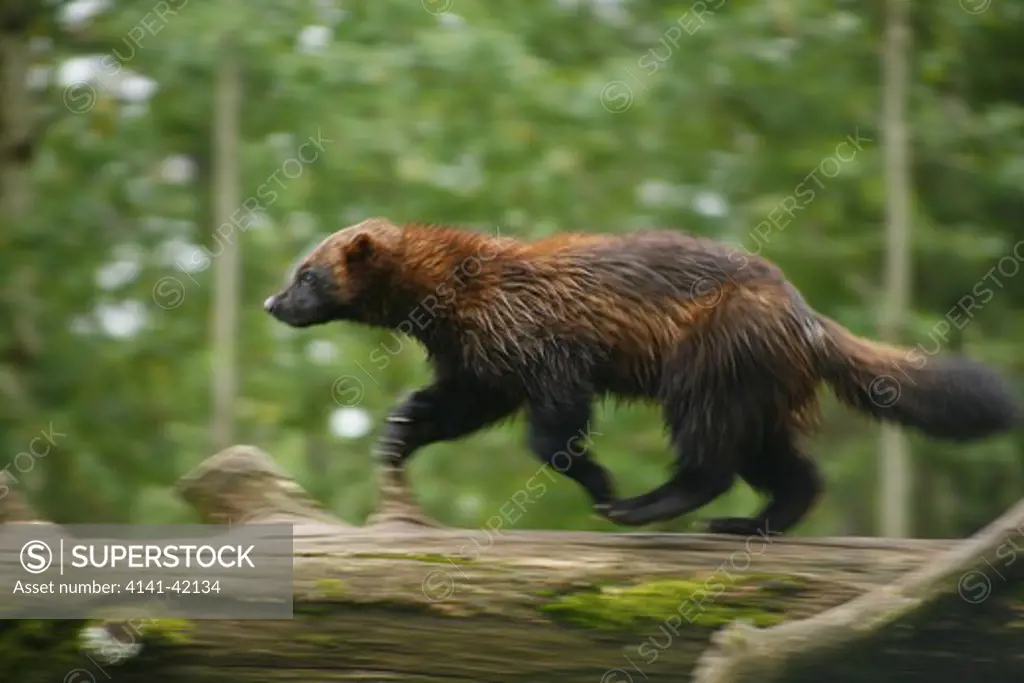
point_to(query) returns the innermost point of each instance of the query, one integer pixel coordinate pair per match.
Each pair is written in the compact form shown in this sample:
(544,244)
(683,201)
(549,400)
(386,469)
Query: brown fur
(717,336)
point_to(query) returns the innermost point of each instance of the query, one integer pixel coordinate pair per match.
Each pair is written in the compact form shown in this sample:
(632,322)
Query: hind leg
(708,451)
(556,436)
(685,492)
(788,476)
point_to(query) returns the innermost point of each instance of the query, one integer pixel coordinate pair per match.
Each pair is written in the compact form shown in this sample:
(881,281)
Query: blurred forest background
(164,164)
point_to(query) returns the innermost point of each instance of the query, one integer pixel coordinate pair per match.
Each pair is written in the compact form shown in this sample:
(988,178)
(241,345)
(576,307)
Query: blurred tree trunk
(16,152)
(226,260)
(21,343)
(16,115)
(894,468)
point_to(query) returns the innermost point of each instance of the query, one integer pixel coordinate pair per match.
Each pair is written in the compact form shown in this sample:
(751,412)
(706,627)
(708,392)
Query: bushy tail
(946,397)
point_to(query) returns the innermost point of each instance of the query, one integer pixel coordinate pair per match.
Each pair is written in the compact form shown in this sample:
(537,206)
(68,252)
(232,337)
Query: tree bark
(399,601)
(962,586)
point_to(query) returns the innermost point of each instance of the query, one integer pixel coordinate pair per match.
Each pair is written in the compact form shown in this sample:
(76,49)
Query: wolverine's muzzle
(295,309)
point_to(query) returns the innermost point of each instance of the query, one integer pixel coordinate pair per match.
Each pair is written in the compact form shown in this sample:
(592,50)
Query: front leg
(443,411)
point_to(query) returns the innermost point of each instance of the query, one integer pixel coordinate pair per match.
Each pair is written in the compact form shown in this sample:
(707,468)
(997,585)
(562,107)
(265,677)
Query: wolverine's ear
(361,248)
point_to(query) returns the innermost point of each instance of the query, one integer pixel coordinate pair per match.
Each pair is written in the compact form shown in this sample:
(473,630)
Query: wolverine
(714,335)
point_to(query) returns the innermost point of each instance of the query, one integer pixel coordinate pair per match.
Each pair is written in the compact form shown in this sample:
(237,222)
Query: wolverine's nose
(270,304)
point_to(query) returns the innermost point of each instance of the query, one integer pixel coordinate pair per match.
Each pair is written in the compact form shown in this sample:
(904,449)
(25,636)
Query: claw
(397,503)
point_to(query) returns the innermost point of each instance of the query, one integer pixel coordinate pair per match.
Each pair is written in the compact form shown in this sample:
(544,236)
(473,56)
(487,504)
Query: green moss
(702,602)
(331,588)
(169,631)
(320,640)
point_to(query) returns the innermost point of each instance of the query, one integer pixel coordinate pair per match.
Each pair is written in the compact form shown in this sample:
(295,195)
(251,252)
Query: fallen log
(401,599)
(978,586)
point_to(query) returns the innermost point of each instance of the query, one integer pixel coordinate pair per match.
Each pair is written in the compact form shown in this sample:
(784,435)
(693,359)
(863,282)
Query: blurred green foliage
(520,118)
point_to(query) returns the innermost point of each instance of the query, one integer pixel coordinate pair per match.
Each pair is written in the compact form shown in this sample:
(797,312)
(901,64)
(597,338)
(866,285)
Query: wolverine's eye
(308,278)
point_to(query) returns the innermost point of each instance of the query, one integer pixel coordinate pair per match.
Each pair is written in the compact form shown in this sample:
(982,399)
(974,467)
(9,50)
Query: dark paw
(739,526)
(621,512)
(601,510)
(393,443)
(388,452)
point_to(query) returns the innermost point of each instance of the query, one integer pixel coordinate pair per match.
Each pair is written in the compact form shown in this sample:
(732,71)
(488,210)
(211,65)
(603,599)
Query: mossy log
(404,600)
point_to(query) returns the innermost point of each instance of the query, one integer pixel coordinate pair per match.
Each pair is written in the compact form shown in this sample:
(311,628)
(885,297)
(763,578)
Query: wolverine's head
(340,278)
